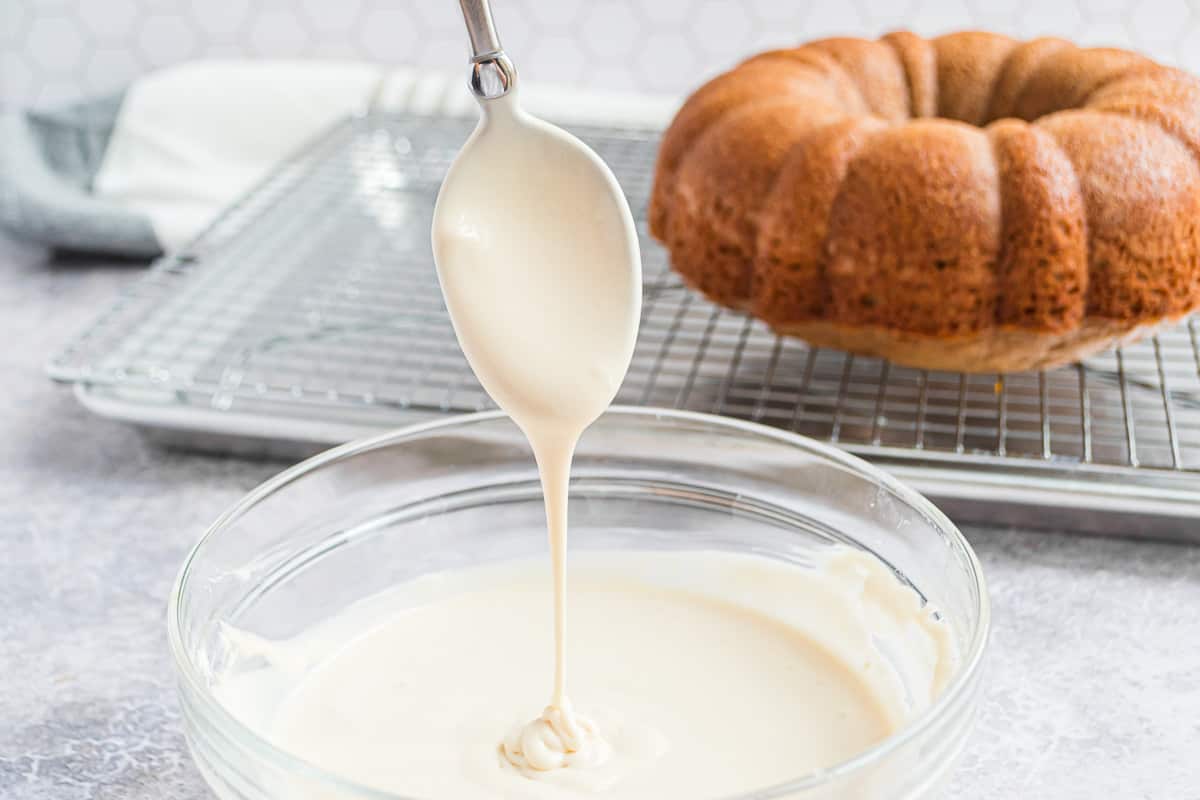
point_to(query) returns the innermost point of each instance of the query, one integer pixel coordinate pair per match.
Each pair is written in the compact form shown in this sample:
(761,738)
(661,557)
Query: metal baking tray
(309,313)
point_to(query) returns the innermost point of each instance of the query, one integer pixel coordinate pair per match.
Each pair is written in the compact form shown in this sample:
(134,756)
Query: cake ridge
(1038,49)
(918,86)
(847,50)
(969,64)
(1020,296)
(797,265)
(1152,111)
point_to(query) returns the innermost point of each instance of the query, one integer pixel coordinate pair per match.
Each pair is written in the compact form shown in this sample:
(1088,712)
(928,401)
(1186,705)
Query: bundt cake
(969,202)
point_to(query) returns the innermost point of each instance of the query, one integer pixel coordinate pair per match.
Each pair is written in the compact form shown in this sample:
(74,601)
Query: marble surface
(1093,673)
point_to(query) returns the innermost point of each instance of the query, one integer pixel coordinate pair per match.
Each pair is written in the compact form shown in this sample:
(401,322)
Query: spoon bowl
(537,252)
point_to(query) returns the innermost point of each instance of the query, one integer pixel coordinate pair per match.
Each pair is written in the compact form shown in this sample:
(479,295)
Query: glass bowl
(355,520)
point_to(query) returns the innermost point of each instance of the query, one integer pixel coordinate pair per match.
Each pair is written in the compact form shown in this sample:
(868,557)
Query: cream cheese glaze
(538,258)
(709,674)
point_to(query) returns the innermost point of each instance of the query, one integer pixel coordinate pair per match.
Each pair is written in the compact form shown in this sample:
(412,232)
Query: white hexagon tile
(58,50)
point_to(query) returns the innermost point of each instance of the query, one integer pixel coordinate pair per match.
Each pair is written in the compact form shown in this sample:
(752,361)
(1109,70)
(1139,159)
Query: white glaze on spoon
(538,258)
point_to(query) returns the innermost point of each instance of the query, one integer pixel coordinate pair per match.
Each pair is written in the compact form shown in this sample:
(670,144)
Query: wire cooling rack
(314,301)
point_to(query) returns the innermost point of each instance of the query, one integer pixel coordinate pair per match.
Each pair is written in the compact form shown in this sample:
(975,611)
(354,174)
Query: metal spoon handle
(485,43)
(492,74)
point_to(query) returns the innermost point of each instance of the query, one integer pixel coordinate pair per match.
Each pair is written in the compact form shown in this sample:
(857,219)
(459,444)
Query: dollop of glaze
(558,739)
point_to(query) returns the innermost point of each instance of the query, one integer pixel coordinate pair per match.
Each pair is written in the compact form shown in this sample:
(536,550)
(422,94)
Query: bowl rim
(247,737)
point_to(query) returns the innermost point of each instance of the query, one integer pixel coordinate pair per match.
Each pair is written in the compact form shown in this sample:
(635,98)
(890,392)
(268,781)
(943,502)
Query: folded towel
(191,139)
(146,171)
(48,163)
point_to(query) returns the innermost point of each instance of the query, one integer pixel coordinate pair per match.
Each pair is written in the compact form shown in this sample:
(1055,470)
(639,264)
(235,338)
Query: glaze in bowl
(357,519)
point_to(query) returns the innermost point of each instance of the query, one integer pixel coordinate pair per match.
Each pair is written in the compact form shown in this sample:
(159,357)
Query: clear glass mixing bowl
(359,518)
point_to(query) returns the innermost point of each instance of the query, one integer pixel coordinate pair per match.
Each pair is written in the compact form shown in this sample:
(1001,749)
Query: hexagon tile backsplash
(52,51)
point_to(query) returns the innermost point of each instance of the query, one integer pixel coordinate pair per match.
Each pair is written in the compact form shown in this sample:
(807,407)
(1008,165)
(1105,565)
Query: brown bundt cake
(968,202)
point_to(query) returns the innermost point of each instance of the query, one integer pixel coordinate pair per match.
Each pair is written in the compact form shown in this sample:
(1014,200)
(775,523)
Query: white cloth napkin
(191,139)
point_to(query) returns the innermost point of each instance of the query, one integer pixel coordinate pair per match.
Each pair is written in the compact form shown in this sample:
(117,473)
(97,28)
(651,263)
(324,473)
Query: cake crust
(1001,349)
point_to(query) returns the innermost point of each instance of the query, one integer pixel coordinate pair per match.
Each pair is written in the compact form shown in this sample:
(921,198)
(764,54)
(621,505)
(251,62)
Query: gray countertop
(1093,673)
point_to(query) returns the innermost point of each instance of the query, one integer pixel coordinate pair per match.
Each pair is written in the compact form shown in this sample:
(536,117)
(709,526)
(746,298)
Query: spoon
(537,254)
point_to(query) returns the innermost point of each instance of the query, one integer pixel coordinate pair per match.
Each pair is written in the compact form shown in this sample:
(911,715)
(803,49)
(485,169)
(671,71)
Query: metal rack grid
(315,299)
